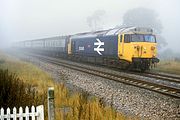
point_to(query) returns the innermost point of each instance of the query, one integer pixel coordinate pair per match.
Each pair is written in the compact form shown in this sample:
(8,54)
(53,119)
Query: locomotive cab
(139,49)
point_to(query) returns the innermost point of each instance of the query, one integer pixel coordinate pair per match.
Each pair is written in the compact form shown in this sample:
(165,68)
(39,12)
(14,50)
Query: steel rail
(163,77)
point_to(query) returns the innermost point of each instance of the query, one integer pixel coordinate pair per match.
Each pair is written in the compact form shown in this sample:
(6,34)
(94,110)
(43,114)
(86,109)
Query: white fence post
(14,113)
(39,113)
(27,113)
(2,114)
(8,114)
(20,113)
(33,112)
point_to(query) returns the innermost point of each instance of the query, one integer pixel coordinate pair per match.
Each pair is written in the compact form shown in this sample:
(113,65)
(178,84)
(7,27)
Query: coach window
(126,38)
(121,38)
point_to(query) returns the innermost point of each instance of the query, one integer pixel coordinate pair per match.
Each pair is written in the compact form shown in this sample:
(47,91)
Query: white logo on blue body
(99,49)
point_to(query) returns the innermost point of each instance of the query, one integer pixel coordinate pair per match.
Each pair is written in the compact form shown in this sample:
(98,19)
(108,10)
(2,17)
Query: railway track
(159,76)
(157,87)
(170,78)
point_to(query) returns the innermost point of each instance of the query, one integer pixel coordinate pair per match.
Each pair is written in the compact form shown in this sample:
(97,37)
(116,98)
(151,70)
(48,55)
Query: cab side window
(121,38)
(127,38)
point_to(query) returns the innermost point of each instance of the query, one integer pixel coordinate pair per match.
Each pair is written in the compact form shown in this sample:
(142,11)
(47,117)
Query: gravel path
(124,98)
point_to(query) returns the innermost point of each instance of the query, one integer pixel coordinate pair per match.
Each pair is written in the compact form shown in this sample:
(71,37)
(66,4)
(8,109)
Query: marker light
(152,48)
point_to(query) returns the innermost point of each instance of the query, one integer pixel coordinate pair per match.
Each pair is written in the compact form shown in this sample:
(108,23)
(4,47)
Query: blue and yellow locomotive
(127,48)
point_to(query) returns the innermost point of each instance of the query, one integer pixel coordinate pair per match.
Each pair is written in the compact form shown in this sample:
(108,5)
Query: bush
(15,93)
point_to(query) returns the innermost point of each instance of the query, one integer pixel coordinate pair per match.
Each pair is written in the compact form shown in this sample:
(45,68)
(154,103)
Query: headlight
(136,47)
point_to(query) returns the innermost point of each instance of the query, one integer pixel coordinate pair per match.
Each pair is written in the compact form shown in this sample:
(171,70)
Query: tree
(144,17)
(95,21)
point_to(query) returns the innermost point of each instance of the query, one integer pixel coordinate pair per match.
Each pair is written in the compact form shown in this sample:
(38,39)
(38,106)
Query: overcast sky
(32,19)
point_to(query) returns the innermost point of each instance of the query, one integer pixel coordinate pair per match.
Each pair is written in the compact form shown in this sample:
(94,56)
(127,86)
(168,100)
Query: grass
(77,106)
(169,66)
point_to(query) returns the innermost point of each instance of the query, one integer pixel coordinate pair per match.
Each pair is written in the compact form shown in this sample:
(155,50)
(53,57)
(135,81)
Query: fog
(32,19)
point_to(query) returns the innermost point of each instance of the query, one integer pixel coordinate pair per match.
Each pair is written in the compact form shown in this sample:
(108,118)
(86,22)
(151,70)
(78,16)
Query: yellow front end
(142,49)
(137,52)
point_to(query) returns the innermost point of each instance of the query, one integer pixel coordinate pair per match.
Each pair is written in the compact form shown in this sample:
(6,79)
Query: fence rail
(32,114)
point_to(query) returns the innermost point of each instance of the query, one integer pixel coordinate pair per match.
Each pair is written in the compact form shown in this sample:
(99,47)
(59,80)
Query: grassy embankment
(77,106)
(169,66)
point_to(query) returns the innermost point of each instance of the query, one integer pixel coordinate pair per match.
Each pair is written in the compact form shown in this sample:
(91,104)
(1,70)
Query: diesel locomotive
(125,48)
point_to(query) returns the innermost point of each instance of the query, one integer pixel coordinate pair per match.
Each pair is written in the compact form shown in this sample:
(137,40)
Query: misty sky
(32,19)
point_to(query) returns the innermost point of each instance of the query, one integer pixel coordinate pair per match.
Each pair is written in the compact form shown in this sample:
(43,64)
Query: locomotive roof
(114,31)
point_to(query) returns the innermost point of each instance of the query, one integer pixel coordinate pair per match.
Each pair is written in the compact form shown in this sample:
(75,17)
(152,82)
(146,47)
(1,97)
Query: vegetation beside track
(169,66)
(72,107)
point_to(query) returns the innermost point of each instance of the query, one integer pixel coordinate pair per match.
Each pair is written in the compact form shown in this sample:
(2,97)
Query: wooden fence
(32,114)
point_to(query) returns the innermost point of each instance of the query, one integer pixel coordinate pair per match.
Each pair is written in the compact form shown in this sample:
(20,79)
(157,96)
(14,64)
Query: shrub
(15,93)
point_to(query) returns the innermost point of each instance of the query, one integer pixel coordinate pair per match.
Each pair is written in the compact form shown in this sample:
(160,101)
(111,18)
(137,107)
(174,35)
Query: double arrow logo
(98,49)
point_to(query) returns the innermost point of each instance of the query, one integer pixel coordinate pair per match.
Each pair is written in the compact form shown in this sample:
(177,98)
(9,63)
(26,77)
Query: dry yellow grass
(76,106)
(169,66)
(26,72)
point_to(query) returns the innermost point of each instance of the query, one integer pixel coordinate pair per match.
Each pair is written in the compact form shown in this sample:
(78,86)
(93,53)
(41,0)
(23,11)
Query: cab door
(69,47)
(120,45)
(125,48)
